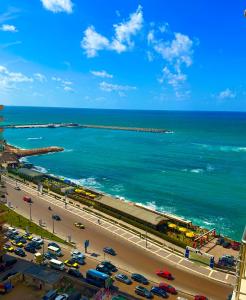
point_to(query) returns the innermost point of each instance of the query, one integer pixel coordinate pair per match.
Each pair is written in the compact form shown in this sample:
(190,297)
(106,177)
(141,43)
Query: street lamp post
(146,239)
(53,225)
(30,206)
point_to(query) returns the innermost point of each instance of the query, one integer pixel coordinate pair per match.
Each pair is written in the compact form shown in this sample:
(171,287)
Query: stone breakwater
(75,125)
(29,152)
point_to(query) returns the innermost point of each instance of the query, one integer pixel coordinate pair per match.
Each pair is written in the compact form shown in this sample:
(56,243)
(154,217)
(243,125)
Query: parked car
(235,246)
(8,248)
(77,253)
(220,241)
(74,272)
(17,244)
(62,297)
(50,295)
(200,297)
(164,274)
(71,263)
(159,292)
(35,245)
(123,278)
(28,236)
(226,244)
(168,288)
(38,240)
(142,291)
(109,265)
(13,230)
(20,252)
(109,250)
(17,188)
(56,217)
(10,235)
(20,239)
(50,256)
(30,248)
(54,245)
(79,225)
(139,278)
(103,269)
(78,260)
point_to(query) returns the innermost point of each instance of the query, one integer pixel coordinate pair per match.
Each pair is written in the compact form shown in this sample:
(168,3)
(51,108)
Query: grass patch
(16,220)
(198,258)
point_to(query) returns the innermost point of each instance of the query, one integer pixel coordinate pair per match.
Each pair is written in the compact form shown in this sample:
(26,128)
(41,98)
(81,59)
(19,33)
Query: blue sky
(162,54)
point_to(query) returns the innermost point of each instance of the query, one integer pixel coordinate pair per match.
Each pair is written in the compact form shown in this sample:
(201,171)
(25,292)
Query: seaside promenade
(135,254)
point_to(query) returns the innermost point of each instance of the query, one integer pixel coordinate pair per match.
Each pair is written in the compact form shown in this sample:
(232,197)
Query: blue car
(30,248)
(159,292)
(79,260)
(35,245)
(20,252)
(53,244)
(109,251)
(139,278)
(123,278)
(49,256)
(20,239)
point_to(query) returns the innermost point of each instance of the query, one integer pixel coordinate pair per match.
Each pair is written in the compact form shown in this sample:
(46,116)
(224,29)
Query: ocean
(198,172)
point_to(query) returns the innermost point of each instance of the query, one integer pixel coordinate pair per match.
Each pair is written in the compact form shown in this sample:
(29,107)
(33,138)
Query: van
(57,264)
(54,250)
(50,295)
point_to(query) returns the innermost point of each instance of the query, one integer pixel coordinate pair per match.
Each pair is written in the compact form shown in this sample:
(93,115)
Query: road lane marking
(211,272)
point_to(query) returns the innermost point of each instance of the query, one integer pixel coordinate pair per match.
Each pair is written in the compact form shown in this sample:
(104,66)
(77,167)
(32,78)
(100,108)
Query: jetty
(30,152)
(90,126)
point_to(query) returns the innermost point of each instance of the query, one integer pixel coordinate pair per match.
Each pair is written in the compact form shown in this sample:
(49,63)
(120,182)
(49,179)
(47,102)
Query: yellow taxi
(17,244)
(8,248)
(28,236)
(71,263)
(79,225)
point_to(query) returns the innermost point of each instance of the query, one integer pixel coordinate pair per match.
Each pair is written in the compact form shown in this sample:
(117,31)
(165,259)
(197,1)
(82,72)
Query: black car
(109,251)
(109,265)
(56,217)
(20,239)
(142,291)
(220,241)
(49,256)
(53,244)
(74,272)
(139,278)
(30,248)
(226,245)
(159,292)
(20,252)
(35,245)
(103,269)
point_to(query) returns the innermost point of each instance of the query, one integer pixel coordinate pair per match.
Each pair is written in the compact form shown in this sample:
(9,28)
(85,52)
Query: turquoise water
(198,172)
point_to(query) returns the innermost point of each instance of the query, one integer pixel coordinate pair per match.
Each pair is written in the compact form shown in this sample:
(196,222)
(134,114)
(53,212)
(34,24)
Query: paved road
(130,256)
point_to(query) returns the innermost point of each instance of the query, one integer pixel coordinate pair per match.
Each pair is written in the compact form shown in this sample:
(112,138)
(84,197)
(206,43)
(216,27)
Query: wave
(222,148)
(35,138)
(68,150)
(196,170)
(40,169)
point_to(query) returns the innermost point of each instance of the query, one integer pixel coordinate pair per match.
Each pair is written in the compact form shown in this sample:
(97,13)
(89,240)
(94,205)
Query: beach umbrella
(172,225)
(190,234)
(182,229)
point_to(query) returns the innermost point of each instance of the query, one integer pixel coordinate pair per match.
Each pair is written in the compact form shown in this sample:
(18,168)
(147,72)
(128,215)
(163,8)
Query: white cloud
(7,27)
(40,77)
(109,87)
(226,94)
(57,6)
(56,78)
(125,30)
(102,74)
(173,79)
(68,89)
(10,80)
(93,41)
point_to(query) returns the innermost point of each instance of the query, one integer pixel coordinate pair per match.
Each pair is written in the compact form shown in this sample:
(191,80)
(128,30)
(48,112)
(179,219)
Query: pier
(29,152)
(75,125)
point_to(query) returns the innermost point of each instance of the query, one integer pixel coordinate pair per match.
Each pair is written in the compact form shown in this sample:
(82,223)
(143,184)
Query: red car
(235,245)
(168,288)
(164,274)
(200,297)
(27,199)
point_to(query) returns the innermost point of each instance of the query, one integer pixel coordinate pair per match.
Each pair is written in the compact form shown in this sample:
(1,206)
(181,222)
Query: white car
(62,297)
(76,253)
(13,230)
(38,240)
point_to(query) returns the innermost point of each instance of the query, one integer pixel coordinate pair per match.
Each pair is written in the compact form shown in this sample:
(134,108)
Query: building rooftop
(43,274)
(30,173)
(131,209)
